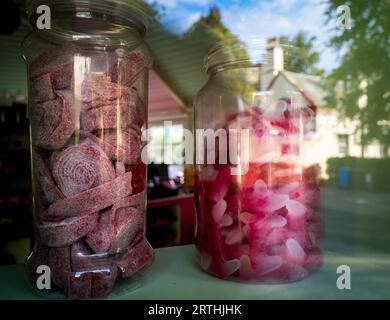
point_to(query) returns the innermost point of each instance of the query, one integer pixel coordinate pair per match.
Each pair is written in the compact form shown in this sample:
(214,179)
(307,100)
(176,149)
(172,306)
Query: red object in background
(138,177)
(186,214)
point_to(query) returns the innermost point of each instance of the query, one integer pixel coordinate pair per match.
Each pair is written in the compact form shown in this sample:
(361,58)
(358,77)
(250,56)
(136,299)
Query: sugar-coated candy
(82,167)
(53,121)
(66,231)
(94,199)
(89,181)
(135,259)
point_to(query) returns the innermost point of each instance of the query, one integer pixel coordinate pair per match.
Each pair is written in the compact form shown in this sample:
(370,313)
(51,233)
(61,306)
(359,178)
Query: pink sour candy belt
(263,225)
(89,181)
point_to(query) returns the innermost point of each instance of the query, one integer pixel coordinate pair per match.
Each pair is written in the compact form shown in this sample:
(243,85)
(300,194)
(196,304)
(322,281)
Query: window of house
(383,150)
(343,145)
(166,144)
(311,126)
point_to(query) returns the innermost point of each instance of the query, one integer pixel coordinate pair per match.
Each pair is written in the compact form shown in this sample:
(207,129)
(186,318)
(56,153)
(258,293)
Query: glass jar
(256,183)
(88,90)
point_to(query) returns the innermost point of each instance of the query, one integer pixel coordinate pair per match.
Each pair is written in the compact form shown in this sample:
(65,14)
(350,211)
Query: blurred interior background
(342,71)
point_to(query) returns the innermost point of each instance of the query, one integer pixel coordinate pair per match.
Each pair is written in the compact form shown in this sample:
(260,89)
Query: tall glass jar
(88,90)
(256,183)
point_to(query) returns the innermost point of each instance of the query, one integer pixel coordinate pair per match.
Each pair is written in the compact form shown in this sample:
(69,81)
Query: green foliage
(366,48)
(150,10)
(358,169)
(304,58)
(209,27)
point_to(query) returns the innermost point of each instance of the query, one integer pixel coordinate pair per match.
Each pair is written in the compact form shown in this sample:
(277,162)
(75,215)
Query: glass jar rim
(134,11)
(233,52)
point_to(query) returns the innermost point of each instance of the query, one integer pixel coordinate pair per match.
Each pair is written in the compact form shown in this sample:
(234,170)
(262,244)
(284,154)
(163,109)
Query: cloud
(181,14)
(176,3)
(281,5)
(165,3)
(195,2)
(189,20)
(255,22)
(269,19)
(181,20)
(284,3)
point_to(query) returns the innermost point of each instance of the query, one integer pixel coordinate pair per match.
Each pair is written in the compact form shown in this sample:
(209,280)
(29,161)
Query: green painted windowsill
(175,275)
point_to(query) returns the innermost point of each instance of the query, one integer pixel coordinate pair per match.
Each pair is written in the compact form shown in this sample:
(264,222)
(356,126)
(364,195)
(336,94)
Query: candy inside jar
(257,212)
(87,103)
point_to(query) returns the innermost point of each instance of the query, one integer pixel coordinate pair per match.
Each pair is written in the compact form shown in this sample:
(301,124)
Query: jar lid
(135,11)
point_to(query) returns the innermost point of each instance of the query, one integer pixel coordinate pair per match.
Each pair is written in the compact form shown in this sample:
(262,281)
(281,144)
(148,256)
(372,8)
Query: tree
(304,58)
(210,27)
(364,72)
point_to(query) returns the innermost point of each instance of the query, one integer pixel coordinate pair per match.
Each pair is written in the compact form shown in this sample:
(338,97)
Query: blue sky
(260,18)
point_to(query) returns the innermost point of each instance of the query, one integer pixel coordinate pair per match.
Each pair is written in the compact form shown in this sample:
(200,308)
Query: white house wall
(324,143)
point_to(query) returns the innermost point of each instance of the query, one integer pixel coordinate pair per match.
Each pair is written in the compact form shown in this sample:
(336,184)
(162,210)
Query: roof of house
(177,71)
(308,85)
(178,61)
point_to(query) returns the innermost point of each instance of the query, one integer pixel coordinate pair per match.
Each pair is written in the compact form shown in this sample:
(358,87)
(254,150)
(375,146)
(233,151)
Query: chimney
(274,62)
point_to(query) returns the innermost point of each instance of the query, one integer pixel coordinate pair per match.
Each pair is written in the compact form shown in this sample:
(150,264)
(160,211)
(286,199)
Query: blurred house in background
(330,136)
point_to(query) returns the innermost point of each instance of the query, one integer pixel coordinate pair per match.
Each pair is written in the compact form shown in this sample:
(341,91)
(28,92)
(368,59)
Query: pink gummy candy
(54,121)
(58,62)
(101,236)
(128,109)
(59,262)
(82,167)
(135,259)
(45,187)
(119,225)
(67,231)
(129,223)
(219,188)
(101,268)
(296,213)
(97,93)
(262,225)
(128,67)
(94,199)
(42,89)
(78,285)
